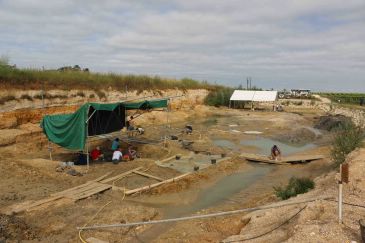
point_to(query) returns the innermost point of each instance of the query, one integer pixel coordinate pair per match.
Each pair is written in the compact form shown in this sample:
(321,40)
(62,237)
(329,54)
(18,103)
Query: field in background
(344,98)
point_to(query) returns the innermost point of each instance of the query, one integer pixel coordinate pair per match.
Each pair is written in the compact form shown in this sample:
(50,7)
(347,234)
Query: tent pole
(167,122)
(50,150)
(87,138)
(90,116)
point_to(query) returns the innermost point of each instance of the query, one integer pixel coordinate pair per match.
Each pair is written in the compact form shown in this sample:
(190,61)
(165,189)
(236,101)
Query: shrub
(6,99)
(100,94)
(26,97)
(295,186)
(297,102)
(37,96)
(286,102)
(219,97)
(80,93)
(348,137)
(91,96)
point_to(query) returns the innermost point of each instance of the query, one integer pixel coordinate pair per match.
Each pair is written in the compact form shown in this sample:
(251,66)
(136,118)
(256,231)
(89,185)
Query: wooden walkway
(88,189)
(284,160)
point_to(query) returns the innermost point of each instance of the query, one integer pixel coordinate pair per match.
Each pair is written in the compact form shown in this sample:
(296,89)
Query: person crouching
(117,156)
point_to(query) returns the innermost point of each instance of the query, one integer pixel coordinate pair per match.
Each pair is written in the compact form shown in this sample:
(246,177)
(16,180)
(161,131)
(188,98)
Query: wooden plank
(76,189)
(167,159)
(144,188)
(35,204)
(148,175)
(91,192)
(284,160)
(103,176)
(300,158)
(120,175)
(82,185)
(85,191)
(118,188)
(88,187)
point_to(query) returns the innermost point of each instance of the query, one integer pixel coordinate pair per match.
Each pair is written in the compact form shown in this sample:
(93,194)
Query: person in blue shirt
(115,144)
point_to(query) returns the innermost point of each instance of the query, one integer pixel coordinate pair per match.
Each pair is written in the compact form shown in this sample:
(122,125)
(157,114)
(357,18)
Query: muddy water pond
(262,145)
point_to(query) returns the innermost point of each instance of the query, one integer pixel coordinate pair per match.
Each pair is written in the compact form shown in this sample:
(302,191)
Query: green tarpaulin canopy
(71,130)
(146,105)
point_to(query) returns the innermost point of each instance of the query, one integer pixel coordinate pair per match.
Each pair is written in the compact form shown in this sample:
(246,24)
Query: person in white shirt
(117,156)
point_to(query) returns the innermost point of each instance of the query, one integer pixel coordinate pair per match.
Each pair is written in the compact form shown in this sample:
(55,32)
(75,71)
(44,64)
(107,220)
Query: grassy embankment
(33,79)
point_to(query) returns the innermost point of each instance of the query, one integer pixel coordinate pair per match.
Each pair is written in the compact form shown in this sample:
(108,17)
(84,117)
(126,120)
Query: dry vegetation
(36,79)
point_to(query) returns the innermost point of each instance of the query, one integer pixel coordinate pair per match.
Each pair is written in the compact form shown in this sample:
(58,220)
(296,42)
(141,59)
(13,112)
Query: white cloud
(280,43)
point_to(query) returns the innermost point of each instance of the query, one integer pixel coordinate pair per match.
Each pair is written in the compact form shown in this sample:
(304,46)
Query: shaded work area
(71,131)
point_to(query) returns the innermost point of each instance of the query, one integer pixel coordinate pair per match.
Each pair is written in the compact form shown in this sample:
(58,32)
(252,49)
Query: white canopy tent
(254,96)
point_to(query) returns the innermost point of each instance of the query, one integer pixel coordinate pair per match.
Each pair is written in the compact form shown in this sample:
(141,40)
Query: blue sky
(318,45)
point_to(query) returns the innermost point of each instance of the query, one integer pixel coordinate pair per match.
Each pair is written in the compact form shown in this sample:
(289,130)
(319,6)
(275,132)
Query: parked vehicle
(295,93)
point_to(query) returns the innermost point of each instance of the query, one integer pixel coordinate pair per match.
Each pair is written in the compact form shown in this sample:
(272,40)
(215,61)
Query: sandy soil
(29,174)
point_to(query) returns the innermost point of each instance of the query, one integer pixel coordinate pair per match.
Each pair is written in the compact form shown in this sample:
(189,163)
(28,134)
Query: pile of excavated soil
(15,229)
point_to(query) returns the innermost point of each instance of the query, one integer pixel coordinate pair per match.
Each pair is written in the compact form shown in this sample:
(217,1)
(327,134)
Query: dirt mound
(298,136)
(13,228)
(331,122)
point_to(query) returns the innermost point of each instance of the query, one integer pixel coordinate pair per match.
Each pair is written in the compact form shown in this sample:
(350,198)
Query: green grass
(295,186)
(344,98)
(219,97)
(36,79)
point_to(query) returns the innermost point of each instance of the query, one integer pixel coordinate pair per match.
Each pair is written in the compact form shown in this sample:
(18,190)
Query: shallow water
(264,145)
(221,191)
(187,164)
(224,143)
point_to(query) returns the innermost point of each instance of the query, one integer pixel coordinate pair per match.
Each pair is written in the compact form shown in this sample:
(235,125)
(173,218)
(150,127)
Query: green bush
(219,97)
(295,186)
(6,99)
(344,98)
(348,137)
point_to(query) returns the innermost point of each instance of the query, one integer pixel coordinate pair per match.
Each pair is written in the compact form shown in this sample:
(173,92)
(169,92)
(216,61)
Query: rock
(74,172)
